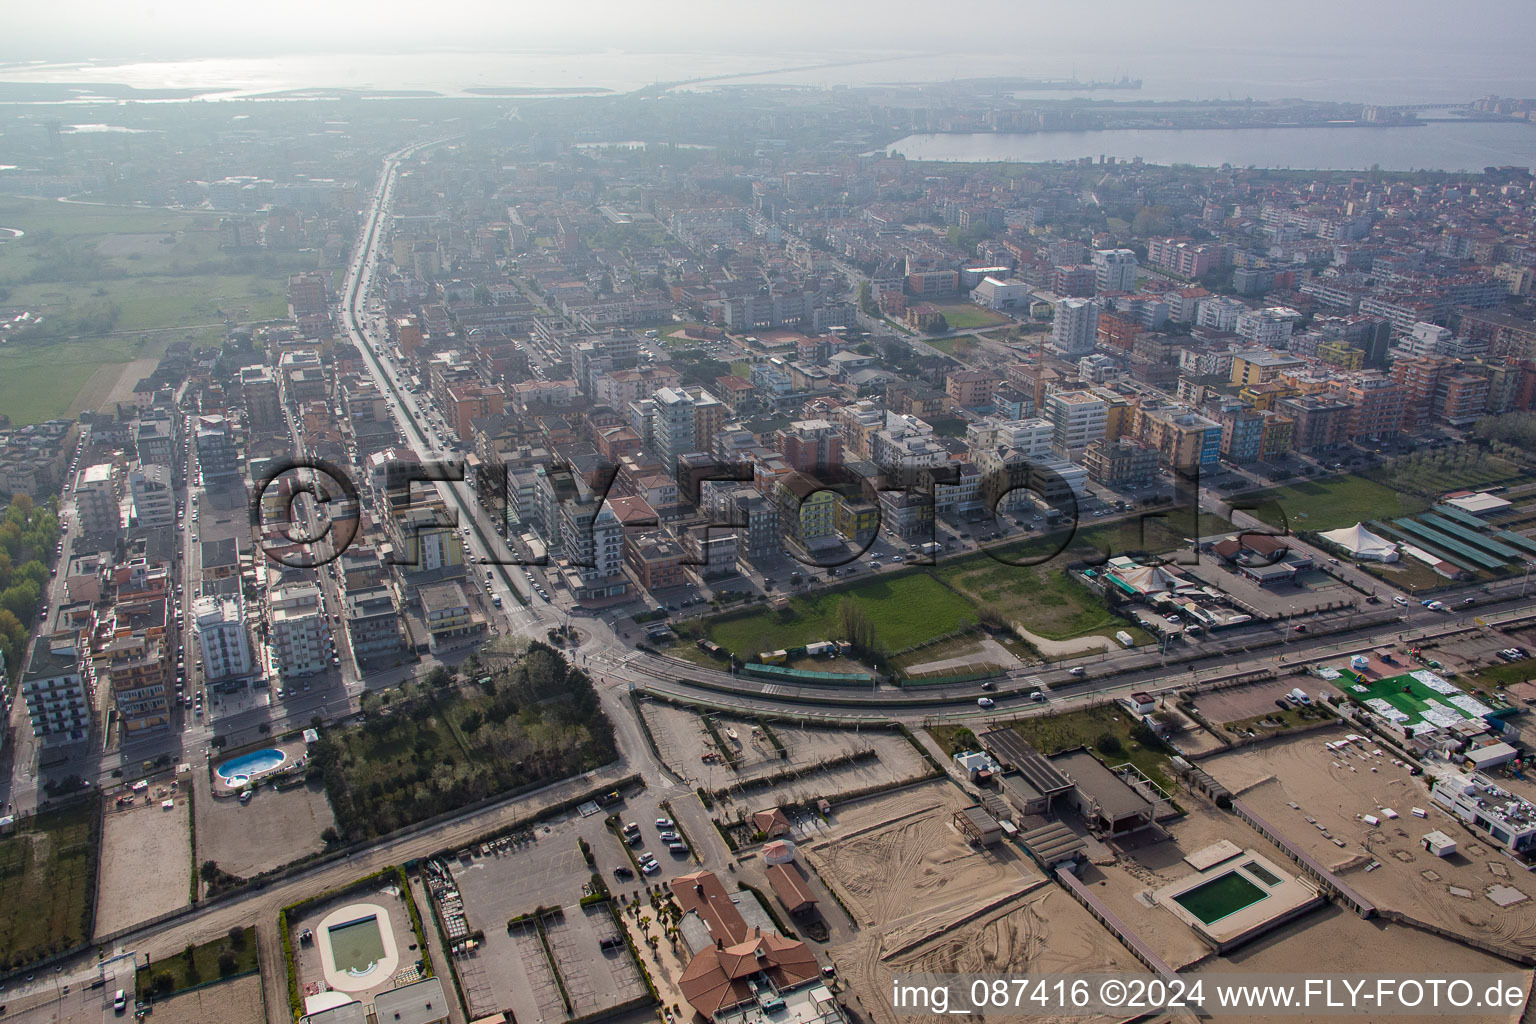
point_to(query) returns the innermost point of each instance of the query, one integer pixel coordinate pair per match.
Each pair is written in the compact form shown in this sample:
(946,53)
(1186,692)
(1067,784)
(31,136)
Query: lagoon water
(1436,146)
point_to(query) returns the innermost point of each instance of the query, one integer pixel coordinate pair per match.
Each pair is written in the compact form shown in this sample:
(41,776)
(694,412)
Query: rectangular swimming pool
(357,945)
(1220,897)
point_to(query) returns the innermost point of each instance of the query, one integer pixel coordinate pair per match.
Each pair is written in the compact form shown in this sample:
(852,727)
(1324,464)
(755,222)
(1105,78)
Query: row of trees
(27,534)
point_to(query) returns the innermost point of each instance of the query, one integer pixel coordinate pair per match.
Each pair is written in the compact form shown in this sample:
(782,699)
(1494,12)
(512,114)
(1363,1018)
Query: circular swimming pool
(238,771)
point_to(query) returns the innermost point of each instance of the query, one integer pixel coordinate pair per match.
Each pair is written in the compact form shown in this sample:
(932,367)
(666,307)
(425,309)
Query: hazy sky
(191,28)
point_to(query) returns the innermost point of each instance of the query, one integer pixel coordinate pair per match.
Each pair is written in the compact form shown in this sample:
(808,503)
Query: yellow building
(1279,433)
(1260,365)
(1341,354)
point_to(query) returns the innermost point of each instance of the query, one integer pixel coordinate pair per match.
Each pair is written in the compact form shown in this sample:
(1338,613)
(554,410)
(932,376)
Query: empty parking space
(595,978)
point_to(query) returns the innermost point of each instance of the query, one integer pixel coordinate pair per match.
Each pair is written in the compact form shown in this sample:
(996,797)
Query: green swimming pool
(357,946)
(1220,897)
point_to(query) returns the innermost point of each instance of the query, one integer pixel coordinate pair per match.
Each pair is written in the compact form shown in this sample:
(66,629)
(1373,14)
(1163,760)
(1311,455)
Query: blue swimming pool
(237,771)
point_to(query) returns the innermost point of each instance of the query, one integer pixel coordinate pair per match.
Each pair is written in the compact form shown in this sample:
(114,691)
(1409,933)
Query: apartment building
(1376,407)
(222,637)
(96,501)
(1075,330)
(154,503)
(58,695)
(1077,418)
(971,389)
(1260,366)
(297,622)
(1116,463)
(1114,270)
(1318,422)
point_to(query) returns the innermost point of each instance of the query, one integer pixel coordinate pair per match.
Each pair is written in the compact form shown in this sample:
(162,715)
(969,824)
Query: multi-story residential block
(1376,407)
(674,424)
(1318,422)
(1260,365)
(812,446)
(971,389)
(807,512)
(1114,270)
(263,407)
(223,639)
(656,560)
(1075,330)
(1269,327)
(1077,418)
(1120,462)
(58,695)
(1183,439)
(154,503)
(217,460)
(96,501)
(1219,313)
(446,612)
(373,624)
(297,622)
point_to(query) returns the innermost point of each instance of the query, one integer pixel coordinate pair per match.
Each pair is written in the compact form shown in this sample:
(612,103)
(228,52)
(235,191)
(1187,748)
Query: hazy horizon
(1117,30)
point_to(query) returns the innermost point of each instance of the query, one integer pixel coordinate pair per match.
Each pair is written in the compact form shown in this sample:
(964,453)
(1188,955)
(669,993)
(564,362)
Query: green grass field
(47,880)
(202,967)
(1043,599)
(965,316)
(1508,672)
(96,275)
(905,609)
(1328,504)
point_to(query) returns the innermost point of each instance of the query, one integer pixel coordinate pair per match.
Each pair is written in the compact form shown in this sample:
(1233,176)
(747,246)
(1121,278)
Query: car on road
(985,702)
(1400,600)
(119,1001)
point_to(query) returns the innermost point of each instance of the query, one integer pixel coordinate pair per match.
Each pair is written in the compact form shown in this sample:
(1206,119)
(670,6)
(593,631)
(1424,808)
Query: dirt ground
(682,739)
(1336,789)
(146,862)
(1348,944)
(233,1002)
(274,828)
(911,881)
(1147,862)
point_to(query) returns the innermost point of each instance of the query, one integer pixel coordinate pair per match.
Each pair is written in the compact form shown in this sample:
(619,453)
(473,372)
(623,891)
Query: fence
(1333,885)
(1101,913)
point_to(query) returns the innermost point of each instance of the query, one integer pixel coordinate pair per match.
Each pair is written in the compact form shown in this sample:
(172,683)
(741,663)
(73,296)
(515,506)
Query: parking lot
(544,868)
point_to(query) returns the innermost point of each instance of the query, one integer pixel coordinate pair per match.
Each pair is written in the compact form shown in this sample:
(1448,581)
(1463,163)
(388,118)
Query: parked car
(665,823)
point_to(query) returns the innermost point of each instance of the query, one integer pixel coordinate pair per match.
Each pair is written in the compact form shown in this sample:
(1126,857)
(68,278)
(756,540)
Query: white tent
(1362,543)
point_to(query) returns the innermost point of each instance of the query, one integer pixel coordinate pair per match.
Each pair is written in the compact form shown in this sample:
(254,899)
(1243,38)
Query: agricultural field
(1430,474)
(437,748)
(97,275)
(904,609)
(48,866)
